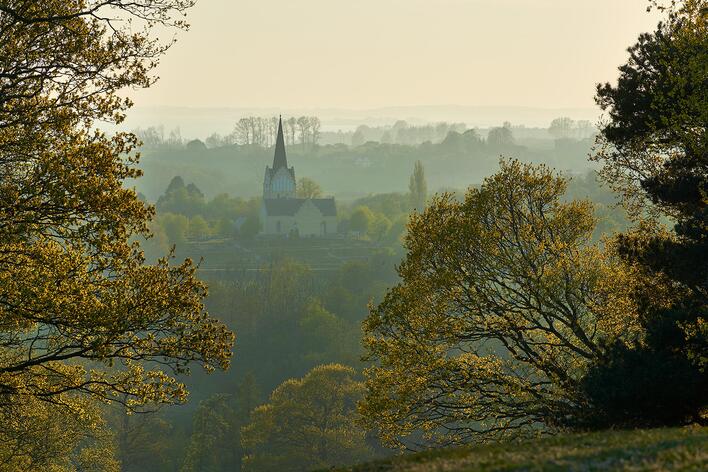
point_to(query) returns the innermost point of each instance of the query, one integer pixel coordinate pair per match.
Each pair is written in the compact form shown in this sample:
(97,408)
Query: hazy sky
(376,53)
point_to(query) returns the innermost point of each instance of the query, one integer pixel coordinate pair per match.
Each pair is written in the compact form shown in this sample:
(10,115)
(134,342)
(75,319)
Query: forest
(484,286)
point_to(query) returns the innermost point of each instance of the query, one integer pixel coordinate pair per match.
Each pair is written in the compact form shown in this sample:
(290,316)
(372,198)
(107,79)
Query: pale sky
(376,53)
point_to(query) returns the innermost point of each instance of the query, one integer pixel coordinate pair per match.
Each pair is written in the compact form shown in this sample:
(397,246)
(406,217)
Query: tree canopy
(654,149)
(80,314)
(309,423)
(503,304)
(418,187)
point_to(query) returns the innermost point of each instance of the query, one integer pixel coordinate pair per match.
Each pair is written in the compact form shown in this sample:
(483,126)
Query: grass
(684,449)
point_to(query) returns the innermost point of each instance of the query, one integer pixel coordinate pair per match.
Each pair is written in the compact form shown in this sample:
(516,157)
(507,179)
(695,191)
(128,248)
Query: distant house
(282,213)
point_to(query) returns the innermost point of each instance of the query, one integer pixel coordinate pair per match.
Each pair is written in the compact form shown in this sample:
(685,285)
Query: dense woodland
(492,285)
(352,171)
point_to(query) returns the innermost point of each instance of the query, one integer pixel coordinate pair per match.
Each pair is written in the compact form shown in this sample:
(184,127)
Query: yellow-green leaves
(81,317)
(309,423)
(502,306)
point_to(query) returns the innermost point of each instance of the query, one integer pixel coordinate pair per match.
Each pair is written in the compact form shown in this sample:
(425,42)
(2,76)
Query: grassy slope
(658,449)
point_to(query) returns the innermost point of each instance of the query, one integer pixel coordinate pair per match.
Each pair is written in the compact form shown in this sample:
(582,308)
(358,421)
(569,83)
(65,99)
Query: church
(282,213)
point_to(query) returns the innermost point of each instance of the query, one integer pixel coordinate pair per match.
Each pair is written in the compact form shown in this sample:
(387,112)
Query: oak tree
(81,315)
(503,305)
(308,423)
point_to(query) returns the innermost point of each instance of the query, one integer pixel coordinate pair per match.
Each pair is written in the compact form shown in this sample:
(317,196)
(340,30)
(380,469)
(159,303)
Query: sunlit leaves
(503,305)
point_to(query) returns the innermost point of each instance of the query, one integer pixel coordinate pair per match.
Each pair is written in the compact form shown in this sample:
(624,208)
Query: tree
(213,430)
(144,440)
(309,423)
(303,124)
(361,220)
(315,126)
(176,227)
(654,150)
(585,129)
(358,138)
(500,137)
(418,187)
(81,316)
(36,436)
(561,127)
(502,305)
(328,338)
(290,129)
(196,145)
(216,432)
(175,184)
(251,227)
(215,140)
(152,137)
(182,199)
(199,228)
(379,227)
(242,132)
(308,188)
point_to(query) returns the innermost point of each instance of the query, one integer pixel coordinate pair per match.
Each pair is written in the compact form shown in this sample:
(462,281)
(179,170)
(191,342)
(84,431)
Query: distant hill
(201,122)
(684,449)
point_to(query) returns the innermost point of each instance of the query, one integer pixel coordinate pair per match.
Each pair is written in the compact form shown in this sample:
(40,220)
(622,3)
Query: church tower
(279,180)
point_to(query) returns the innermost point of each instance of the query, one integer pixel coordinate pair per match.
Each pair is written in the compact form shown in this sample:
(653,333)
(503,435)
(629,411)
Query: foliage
(500,137)
(403,133)
(456,160)
(146,441)
(80,315)
(327,338)
(361,220)
(307,423)
(392,205)
(258,131)
(418,187)
(184,213)
(654,149)
(290,318)
(502,307)
(308,188)
(251,227)
(215,444)
(39,436)
(561,127)
(179,198)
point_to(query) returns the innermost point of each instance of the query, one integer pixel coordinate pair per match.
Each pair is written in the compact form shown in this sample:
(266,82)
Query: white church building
(282,213)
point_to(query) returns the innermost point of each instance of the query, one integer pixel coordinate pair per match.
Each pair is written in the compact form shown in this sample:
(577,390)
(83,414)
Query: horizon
(199,122)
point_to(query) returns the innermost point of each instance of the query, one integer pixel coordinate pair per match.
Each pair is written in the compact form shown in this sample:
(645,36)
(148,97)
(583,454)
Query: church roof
(290,206)
(280,159)
(326,206)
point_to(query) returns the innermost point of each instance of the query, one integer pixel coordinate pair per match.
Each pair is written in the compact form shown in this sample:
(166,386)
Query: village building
(282,212)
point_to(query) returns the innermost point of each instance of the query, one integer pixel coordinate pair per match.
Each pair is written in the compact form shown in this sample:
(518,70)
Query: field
(320,254)
(684,449)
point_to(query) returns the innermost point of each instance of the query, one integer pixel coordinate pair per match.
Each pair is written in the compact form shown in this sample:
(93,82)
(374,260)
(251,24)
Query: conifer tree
(654,149)
(418,187)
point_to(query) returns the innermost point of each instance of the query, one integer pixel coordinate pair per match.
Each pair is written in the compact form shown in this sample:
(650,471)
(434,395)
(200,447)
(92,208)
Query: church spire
(280,159)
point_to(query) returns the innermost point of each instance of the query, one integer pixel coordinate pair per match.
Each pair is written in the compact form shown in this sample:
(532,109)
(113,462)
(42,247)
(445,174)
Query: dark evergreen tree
(655,150)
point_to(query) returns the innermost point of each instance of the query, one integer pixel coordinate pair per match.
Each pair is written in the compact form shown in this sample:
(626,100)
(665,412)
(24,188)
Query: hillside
(684,449)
